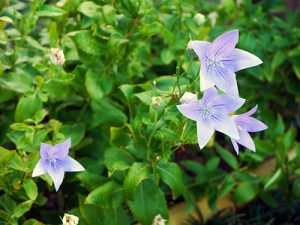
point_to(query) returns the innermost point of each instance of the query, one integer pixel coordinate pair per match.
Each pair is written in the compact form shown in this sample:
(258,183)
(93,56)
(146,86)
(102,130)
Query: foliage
(139,157)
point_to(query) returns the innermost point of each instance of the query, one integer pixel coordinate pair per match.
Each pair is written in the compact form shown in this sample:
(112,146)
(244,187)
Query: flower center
(214,63)
(51,158)
(206,112)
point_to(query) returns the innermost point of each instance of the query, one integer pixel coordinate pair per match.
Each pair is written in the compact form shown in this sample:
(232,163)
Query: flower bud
(199,19)
(213,16)
(159,220)
(70,219)
(157,101)
(57,56)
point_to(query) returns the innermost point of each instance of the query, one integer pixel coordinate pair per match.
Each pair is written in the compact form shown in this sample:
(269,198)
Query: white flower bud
(188,97)
(57,56)
(154,83)
(157,101)
(213,16)
(159,220)
(70,219)
(199,19)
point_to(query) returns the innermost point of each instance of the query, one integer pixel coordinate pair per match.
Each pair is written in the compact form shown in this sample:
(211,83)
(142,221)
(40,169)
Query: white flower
(199,19)
(213,16)
(157,101)
(159,220)
(188,97)
(57,56)
(70,219)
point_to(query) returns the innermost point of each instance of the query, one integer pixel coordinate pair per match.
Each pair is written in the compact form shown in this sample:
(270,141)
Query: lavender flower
(55,162)
(211,113)
(220,60)
(245,124)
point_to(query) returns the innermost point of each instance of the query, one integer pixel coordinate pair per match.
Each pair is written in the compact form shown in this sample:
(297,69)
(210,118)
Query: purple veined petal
(225,43)
(250,112)
(239,59)
(225,80)
(39,168)
(250,124)
(246,140)
(235,146)
(209,95)
(62,150)
(56,173)
(224,124)
(71,165)
(199,47)
(188,97)
(228,102)
(44,150)
(191,110)
(204,133)
(206,81)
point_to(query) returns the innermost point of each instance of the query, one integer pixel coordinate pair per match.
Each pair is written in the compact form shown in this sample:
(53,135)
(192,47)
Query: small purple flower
(220,60)
(212,113)
(55,162)
(245,124)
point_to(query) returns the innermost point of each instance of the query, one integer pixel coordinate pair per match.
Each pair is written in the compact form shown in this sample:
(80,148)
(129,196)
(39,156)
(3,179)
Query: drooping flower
(55,162)
(245,124)
(220,60)
(212,113)
(159,220)
(57,56)
(70,219)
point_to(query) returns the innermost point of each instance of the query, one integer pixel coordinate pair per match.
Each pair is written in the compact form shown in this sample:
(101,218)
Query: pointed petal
(62,149)
(246,140)
(204,133)
(225,80)
(188,97)
(226,125)
(228,102)
(235,146)
(209,95)
(44,150)
(191,110)
(57,174)
(250,124)
(199,47)
(206,81)
(71,165)
(239,59)
(225,43)
(250,112)
(39,169)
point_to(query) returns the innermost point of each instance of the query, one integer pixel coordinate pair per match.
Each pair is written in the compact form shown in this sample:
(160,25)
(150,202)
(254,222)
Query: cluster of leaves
(138,155)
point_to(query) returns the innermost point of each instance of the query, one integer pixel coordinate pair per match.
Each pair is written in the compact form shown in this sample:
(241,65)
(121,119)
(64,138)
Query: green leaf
(30,188)
(244,193)
(89,44)
(109,195)
(136,174)
(273,179)
(32,222)
(75,131)
(296,68)
(22,208)
(117,159)
(50,11)
(89,9)
(227,157)
(171,174)
(148,201)
(27,107)
(16,82)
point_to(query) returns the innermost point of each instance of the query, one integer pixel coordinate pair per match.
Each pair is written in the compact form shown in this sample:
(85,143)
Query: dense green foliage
(139,157)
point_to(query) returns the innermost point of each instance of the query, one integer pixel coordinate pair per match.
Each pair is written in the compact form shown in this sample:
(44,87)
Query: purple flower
(212,113)
(55,162)
(220,60)
(245,124)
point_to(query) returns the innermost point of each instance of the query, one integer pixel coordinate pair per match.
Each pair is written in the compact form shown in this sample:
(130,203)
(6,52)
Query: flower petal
(235,146)
(44,150)
(39,168)
(204,133)
(225,80)
(191,110)
(226,125)
(71,165)
(199,47)
(250,112)
(246,140)
(62,150)
(250,124)
(228,102)
(206,81)
(188,97)
(239,59)
(209,95)
(56,173)
(225,43)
